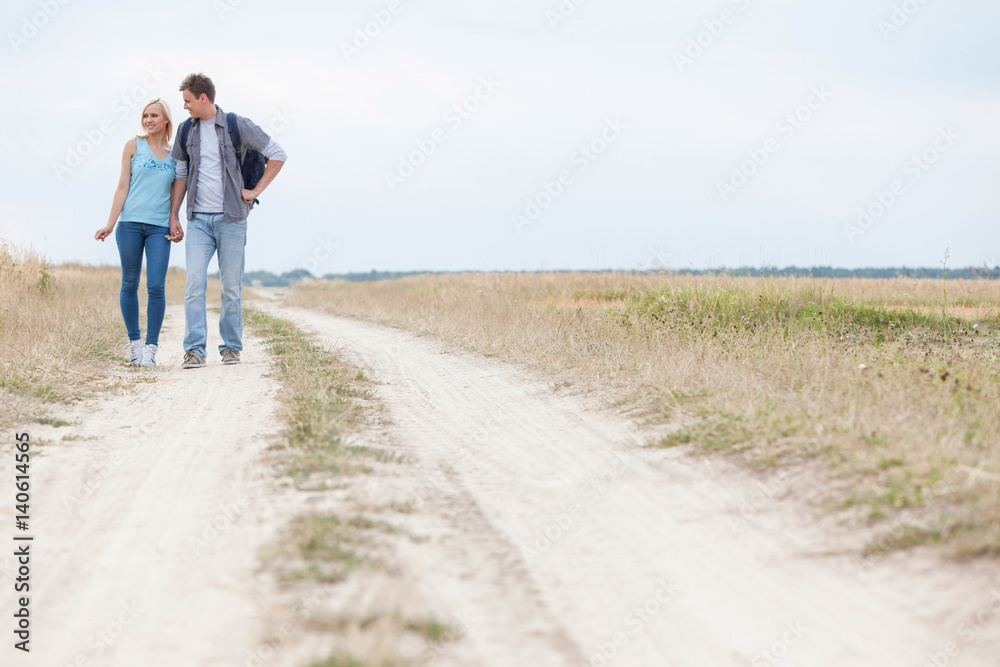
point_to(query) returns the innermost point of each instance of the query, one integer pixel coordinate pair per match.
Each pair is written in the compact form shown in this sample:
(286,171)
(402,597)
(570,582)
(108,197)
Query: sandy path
(554,539)
(125,571)
(561,542)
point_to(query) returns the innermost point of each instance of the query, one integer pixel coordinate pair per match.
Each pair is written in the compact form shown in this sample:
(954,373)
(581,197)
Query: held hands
(176,232)
(104,232)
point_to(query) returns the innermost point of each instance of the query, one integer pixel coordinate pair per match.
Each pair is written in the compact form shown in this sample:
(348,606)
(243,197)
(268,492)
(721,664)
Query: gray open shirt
(234,208)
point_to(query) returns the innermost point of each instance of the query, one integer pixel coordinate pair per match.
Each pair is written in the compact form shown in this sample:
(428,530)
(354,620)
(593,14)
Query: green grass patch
(341,660)
(676,439)
(433,630)
(321,548)
(322,398)
(32,385)
(388,626)
(326,548)
(714,310)
(721,433)
(53,421)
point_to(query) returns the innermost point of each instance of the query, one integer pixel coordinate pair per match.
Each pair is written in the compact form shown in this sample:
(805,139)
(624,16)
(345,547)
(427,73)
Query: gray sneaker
(230,357)
(135,352)
(149,355)
(193,360)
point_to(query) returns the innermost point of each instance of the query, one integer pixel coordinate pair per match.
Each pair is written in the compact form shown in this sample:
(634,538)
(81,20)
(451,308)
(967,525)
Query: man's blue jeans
(135,238)
(206,235)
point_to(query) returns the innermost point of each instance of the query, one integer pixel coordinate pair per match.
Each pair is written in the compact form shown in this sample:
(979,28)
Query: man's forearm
(177,192)
(271,170)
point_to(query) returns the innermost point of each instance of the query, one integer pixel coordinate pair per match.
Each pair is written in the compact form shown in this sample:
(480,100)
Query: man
(208,171)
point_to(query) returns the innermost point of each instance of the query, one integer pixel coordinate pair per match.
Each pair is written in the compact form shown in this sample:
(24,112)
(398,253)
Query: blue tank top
(149,184)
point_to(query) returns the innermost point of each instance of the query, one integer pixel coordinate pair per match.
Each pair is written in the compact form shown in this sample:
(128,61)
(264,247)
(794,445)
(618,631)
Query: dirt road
(148,520)
(565,543)
(552,536)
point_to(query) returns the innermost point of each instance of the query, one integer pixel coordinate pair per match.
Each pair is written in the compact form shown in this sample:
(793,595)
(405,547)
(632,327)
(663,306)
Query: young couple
(154,180)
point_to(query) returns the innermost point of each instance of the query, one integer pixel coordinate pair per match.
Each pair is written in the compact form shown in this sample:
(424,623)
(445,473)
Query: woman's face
(153,119)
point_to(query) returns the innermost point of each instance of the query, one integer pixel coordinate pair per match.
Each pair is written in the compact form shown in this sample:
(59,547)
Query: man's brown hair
(198,84)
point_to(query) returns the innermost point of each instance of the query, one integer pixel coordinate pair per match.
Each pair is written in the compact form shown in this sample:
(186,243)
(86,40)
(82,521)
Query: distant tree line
(970,272)
(268,279)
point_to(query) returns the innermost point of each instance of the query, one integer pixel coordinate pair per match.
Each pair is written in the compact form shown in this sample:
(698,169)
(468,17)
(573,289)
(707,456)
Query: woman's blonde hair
(166,114)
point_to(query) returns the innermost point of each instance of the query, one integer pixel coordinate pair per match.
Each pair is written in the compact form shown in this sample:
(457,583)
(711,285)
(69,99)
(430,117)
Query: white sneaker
(149,355)
(135,352)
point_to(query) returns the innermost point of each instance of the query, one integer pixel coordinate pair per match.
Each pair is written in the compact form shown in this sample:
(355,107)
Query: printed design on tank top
(149,162)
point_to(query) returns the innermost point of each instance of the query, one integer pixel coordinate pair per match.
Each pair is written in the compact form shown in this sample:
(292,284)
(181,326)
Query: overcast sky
(626,134)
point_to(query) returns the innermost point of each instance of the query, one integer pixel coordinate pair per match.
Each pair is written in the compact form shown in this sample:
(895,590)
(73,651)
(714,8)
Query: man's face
(196,106)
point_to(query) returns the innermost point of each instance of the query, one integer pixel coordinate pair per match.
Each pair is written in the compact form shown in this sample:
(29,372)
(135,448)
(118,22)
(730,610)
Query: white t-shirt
(208,198)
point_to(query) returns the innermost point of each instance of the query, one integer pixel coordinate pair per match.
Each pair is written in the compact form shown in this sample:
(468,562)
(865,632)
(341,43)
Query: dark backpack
(252,163)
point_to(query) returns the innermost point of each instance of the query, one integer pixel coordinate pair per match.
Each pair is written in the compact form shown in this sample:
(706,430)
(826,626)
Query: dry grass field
(888,390)
(61,332)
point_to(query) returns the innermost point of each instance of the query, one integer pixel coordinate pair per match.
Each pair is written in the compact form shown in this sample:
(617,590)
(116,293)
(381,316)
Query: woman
(142,207)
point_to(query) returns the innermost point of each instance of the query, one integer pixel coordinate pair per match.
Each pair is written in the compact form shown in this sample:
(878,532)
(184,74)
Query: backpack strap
(184,131)
(234,133)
